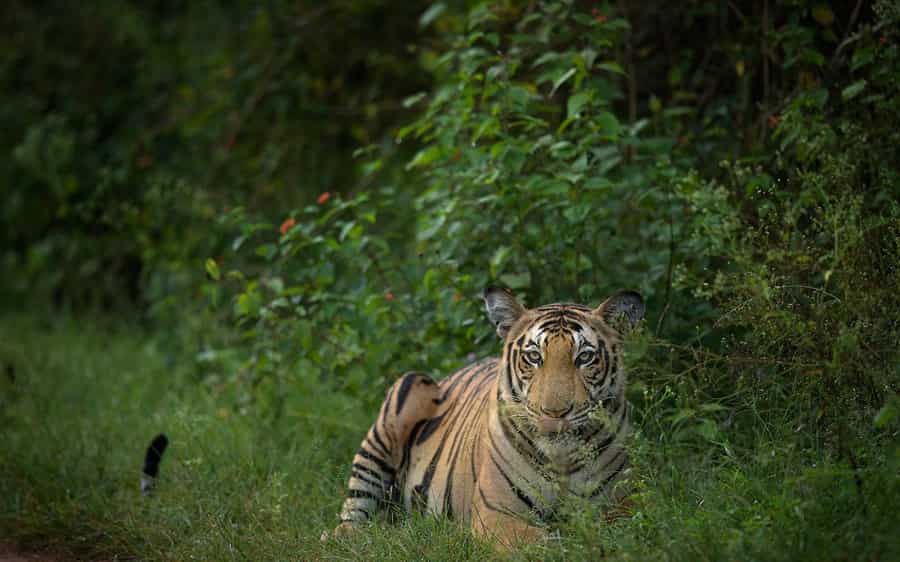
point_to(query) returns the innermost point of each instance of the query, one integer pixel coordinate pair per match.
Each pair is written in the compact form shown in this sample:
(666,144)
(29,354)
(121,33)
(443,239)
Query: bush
(531,180)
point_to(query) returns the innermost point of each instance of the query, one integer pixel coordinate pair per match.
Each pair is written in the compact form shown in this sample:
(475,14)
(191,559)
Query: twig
(629,63)
(665,310)
(853,39)
(777,288)
(853,16)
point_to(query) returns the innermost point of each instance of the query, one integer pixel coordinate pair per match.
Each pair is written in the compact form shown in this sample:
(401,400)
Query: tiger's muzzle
(547,425)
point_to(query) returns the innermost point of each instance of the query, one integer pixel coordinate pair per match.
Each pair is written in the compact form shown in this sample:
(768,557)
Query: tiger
(500,443)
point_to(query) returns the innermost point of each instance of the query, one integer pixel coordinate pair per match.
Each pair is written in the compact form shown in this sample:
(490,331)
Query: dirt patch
(10,554)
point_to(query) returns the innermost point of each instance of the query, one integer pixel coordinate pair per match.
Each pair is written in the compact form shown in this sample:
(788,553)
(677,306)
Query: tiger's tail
(151,462)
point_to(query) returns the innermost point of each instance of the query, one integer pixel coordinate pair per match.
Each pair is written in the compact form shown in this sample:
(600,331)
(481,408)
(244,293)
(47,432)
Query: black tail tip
(154,454)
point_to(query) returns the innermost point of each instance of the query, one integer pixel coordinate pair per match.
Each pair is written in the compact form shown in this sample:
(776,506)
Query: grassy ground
(82,397)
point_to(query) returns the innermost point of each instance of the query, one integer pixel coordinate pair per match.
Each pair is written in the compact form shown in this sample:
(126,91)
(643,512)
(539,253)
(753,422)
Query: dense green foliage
(306,201)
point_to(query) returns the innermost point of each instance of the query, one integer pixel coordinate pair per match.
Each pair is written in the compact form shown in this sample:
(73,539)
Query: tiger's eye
(533,357)
(585,358)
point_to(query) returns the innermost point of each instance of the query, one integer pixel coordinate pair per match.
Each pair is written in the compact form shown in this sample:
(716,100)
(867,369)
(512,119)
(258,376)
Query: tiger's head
(562,363)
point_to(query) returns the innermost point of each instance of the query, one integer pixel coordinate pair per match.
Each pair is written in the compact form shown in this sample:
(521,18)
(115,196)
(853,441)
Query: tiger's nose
(556,412)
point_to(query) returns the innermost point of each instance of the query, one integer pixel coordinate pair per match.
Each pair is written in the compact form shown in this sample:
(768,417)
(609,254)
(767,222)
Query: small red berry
(287,225)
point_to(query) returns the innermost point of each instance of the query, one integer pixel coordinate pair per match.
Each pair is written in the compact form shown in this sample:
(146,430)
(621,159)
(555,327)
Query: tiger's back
(441,474)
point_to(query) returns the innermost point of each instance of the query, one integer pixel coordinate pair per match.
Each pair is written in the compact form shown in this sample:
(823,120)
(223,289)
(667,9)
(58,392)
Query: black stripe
(375,447)
(509,381)
(430,427)
(523,497)
(606,442)
(377,437)
(460,406)
(366,470)
(549,324)
(612,435)
(405,387)
(612,475)
(456,446)
(407,447)
(359,476)
(493,507)
(474,370)
(462,412)
(382,464)
(448,493)
(365,494)
(425,485)
(515,436)
(386,407)
(604,354)
(496,447)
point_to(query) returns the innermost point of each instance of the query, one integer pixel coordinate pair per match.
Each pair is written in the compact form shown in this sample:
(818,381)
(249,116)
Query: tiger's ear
(622,311)
(503,309)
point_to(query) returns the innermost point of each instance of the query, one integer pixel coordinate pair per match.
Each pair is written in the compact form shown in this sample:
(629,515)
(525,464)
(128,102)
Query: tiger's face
(561,363)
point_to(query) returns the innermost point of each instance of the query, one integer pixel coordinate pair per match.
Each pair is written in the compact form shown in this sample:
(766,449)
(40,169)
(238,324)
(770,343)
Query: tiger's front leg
(378,472)
(499,514)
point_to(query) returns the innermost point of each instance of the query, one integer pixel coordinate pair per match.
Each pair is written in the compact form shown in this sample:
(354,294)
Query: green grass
(90,392)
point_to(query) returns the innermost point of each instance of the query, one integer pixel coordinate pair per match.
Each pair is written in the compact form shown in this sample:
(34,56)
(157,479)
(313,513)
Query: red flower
(774,120)
(324,198)
(287,225)
(389,296)
(598,16)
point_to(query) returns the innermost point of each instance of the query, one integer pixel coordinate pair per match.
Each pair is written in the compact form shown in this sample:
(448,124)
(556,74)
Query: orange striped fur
(499,443)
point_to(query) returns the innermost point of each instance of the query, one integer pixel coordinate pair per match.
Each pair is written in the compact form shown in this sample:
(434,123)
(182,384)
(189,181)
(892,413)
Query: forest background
(240,222)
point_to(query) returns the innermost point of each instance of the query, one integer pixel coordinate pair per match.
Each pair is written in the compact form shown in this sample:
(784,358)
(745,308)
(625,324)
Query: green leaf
(247,304)
(608,123)
(498,259)
(577,102)
(267,251)
(414,99)
(612,67)
(424,157)
(862,57)
(212,268)
(516,280)
(562,80)
(886,414)
(432,13)
(853,89)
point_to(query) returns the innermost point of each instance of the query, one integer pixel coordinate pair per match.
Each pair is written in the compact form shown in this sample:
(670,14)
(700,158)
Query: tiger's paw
(345,529)
(623,510)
